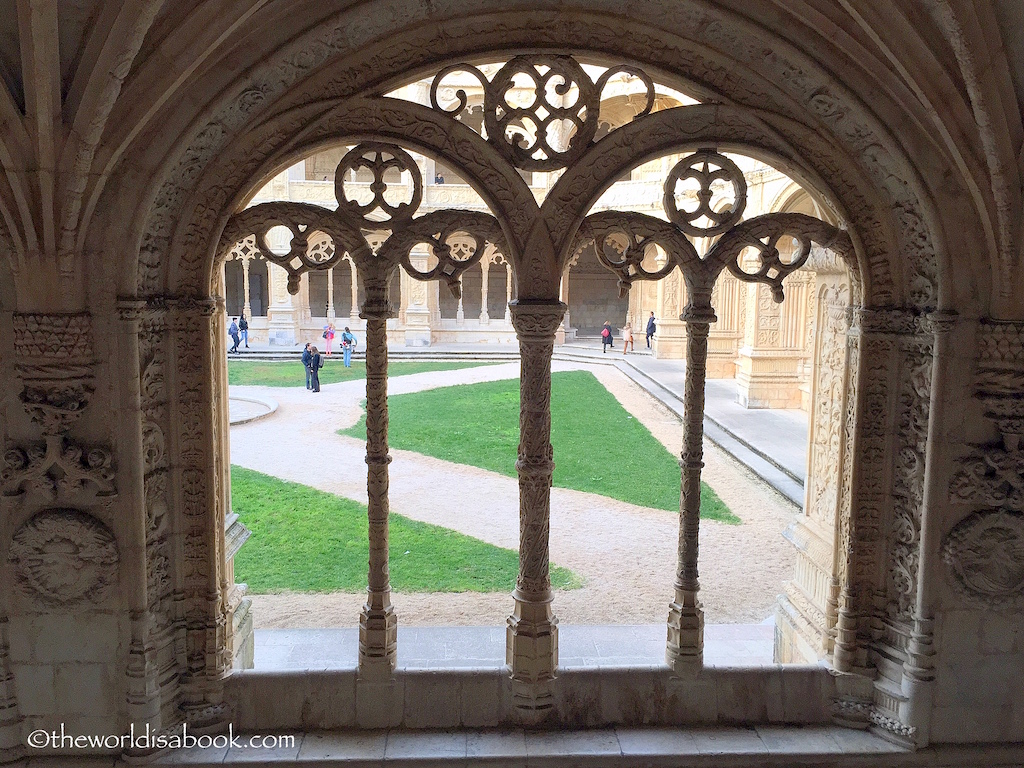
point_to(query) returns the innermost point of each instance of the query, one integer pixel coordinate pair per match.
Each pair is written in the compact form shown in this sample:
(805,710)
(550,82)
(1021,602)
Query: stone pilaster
(532,637)
(11,744)
(685,649)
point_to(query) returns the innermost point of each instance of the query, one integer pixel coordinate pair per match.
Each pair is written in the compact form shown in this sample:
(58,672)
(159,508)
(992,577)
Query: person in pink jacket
(329,337)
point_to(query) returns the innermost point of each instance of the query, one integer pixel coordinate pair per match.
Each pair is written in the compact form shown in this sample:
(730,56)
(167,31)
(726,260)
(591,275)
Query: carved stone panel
(63,557)
(985,555)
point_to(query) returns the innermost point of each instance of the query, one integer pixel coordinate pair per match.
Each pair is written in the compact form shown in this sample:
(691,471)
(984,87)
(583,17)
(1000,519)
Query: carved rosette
(63,558)
(985,555)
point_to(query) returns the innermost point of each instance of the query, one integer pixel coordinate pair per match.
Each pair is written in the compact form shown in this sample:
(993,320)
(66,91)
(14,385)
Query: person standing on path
(606,337)
(233,333)
(316,362)
(243,328)
(651,328)
(329,336)
(348,343)
(307,361)
(627,339)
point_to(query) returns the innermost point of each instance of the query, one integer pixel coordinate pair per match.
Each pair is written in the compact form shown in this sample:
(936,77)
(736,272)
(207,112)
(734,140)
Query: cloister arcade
(891,230)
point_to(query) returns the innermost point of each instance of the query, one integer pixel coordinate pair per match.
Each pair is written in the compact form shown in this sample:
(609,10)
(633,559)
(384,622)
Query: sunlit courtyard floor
(626,554)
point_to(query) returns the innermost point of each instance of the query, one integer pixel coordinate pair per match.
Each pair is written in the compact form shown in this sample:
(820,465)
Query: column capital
(537,320)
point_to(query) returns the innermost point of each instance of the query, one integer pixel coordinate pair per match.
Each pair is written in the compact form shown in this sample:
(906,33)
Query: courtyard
(624,554)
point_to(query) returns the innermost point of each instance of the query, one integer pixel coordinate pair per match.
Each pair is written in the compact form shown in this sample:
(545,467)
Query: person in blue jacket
(651,328)
(307,359)
(348,343)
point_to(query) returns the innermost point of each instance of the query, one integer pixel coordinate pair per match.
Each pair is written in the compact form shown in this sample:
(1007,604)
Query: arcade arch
(538,260)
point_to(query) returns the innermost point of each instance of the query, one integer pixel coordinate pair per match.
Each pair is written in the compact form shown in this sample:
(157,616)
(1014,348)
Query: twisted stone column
(532,637)
(378,625)
(685,648)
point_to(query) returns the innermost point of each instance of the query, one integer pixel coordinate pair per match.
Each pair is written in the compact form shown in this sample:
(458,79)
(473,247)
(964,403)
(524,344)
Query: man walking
(651,328)
(307,360)
(233,333)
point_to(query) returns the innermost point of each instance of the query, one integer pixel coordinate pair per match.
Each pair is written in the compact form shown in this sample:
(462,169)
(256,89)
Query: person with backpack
(606,337)
(348,343)
(316,362)
(233,333)
(307,360)
(651,328)
(243,328)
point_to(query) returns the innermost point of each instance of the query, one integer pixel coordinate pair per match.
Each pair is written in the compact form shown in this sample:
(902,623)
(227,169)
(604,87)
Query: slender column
(353,313)
(919,669)
(330,294)
(460,314)
(246,302)
(508,293)
(484,317)
(685,649)
(532,636)
(378,625)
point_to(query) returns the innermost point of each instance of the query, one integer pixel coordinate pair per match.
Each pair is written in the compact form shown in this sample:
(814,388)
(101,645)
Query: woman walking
(315,364)
(627,339)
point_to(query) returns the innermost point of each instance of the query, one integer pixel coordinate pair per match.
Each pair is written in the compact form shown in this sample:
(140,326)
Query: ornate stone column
(378,624)
(532,637)
(246,301)
(330,295)
(11,744)
(685,649)
(484,317)
(919,667)
(508,293)
(806,612)
(353,314)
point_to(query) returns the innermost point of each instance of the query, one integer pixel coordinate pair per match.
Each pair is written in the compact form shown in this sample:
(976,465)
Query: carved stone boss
(624,240)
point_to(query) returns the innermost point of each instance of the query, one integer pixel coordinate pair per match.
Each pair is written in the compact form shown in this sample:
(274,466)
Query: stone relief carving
(985,554)
(63,557)
(56,469)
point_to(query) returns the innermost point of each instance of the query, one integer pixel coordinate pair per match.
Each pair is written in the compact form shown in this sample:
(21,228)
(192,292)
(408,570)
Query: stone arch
(200,194)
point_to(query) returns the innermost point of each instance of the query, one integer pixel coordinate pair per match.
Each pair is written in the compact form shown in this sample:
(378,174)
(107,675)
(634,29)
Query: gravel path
(626,554)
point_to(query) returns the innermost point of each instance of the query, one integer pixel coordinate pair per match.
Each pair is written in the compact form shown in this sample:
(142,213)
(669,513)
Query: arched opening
(529,283)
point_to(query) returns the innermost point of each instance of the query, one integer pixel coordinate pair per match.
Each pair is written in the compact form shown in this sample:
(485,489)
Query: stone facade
(133,137)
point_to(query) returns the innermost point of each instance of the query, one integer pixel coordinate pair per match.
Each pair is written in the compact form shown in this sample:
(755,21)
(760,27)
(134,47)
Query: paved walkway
(772,443)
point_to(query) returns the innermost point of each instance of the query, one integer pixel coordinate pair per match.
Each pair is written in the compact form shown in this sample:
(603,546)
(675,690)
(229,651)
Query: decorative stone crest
(985,554)
(63,557)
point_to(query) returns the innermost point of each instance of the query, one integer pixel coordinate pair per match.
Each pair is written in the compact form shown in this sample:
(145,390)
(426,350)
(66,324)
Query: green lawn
(292,374)
(305,540)
(598,446)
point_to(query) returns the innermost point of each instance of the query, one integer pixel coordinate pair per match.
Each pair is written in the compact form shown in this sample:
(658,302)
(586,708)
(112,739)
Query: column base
(378,643)
(531,652)
(684,652)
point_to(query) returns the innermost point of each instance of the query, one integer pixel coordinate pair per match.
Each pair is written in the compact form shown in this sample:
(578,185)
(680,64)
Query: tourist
(348,343)
(627,339)
(651,328)
(328,335)
(307,360)
(606,336)
(316,362)
(233,333)
(438,178)
(243,329)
